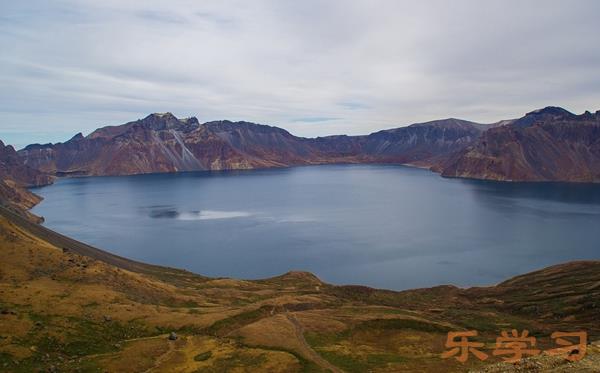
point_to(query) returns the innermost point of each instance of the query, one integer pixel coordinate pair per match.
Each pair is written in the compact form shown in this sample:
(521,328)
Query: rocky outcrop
(164,143)
(15,177)
(549,144)
(12,167)
(16,196)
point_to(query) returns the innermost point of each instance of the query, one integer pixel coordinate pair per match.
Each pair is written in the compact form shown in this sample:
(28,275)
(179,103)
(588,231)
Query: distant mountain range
(549,144)
(164,143)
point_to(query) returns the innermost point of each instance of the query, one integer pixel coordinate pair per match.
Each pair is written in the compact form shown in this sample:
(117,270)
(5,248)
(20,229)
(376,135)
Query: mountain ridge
(164,143)
(548,144)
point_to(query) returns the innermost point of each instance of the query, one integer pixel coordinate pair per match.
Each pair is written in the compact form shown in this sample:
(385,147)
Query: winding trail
(113,353)
(307,350)
(164,357)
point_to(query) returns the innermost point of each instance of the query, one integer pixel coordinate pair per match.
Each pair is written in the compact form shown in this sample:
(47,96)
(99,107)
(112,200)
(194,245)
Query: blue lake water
(385,226)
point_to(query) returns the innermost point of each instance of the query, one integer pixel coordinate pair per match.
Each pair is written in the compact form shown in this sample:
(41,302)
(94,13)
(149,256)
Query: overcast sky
(312,67)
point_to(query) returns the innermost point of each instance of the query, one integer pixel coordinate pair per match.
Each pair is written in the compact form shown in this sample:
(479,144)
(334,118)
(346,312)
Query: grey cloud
(215,18)
(353,105)
(314,119)
(164,17)
(343,66)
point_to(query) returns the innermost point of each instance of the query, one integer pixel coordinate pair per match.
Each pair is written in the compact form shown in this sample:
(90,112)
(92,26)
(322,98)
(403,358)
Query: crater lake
(384,226)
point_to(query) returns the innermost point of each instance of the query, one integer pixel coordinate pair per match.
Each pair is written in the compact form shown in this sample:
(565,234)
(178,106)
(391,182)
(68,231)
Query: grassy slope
(75,308)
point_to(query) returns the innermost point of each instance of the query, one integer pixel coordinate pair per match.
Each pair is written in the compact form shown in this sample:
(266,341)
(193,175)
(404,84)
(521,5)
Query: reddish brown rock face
(12,167)
(15,176)
(163,143)
(550,144)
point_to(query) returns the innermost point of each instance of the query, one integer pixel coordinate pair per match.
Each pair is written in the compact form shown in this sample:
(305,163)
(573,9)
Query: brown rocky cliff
(15,177)
(549,144)
(12,167)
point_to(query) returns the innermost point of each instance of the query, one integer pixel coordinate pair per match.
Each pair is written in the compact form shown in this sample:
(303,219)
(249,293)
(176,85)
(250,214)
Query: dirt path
(162,358)
(105,354)
(308,351)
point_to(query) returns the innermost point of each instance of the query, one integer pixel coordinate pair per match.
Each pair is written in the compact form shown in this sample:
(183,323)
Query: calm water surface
(385,226)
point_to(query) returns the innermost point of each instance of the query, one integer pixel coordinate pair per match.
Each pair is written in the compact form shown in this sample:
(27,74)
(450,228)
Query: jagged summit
(551,110)
(549,144)
(78,136)
(190,121)
(169,117)
(162,121)
(544,114)
(158,118)
(227,125)
(167,114)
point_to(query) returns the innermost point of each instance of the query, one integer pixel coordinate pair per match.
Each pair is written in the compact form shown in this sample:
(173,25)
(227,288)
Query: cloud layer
(312,67)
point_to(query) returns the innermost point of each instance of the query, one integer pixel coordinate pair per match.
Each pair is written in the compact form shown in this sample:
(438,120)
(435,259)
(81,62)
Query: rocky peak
(229,126)
(551,110)
(13,168)
(77,137)
(191,121)
(544,114)
(448,123)
(159,121)
(166,116)
(167,121)
(36,147)
(7,153)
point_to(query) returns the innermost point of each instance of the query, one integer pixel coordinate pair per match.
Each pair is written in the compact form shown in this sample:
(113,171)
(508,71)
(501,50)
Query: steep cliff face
(549,144)
(164,143)
(423,143)
(148,145)
(260,145)
(12,167)
(15,177)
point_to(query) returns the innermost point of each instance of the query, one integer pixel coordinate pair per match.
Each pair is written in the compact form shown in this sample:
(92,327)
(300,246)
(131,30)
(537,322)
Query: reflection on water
(171,212)
(587,194)
(384,226)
